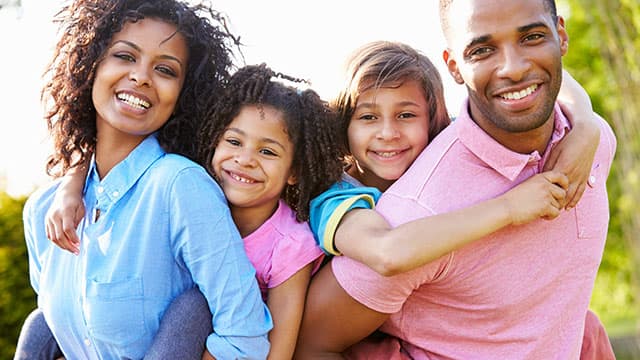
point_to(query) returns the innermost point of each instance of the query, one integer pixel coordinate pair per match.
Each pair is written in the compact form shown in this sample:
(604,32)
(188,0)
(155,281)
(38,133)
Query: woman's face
(388,130)
(139,79)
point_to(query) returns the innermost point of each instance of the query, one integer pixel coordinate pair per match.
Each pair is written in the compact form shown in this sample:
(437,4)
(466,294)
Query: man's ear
(452,66)
(563,36)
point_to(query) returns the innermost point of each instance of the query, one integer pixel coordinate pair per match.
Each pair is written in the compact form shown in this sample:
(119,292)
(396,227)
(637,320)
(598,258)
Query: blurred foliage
(17,298)
(603,55)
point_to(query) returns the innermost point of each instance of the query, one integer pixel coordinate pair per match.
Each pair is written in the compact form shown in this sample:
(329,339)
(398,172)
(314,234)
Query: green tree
(604,57)
(17,298)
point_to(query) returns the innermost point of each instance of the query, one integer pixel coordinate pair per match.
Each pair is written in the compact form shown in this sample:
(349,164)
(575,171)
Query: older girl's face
(138,81)
(388,130)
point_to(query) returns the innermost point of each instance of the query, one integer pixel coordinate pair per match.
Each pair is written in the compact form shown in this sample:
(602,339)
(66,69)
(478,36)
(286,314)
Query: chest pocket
(114,313)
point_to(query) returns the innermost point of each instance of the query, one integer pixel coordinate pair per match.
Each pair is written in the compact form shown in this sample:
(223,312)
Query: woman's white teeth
(134,101)
(517,95)
(241,179)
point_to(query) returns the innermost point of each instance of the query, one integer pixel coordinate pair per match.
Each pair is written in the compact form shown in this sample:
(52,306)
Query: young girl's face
(138,82)
(252,161)
(388,130)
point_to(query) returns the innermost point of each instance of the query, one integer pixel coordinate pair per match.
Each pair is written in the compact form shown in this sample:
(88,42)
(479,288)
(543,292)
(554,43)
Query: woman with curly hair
(127,86)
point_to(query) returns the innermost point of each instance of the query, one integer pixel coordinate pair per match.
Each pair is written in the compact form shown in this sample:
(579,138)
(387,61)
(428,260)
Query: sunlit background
(306,39)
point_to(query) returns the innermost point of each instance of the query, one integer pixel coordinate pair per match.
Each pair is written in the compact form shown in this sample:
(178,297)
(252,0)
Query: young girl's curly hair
(310,125)
(86,29)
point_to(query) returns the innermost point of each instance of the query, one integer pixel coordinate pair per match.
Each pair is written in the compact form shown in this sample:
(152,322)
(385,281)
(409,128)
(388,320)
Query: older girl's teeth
(241,179)
(517,95)
(134,101)
(387,154)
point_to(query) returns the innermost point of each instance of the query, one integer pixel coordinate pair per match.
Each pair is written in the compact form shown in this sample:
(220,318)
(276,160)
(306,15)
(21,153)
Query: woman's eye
(166,70)
(125,57)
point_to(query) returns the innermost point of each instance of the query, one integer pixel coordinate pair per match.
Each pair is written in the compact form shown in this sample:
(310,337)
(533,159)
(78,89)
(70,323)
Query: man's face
(508,54)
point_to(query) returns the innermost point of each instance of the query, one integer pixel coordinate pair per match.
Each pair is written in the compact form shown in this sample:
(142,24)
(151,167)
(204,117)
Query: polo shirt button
(100,189)
(87,342)
(115,194)
(591,181)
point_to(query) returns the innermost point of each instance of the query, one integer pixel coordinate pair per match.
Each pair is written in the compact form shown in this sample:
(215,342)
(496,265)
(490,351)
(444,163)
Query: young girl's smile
(388,130)
(252,162)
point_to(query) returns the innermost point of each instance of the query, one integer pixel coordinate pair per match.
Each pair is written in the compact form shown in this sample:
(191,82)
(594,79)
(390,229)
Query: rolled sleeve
(211,248)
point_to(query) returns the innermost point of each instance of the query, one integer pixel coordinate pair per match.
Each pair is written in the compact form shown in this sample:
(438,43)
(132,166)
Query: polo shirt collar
(505,161)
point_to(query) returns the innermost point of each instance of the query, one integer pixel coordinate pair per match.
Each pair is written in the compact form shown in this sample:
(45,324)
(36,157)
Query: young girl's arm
(67,210)
(574,155)
(365,236)
(286,304)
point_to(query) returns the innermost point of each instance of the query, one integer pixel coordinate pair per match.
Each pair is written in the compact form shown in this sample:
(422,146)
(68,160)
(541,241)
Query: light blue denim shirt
(155,226)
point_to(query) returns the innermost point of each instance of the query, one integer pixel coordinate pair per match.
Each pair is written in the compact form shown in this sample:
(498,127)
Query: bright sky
(305,39)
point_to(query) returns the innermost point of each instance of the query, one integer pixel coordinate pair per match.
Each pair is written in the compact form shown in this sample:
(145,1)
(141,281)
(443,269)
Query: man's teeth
(133,101)
(388,153)
(517,95)
(241,179)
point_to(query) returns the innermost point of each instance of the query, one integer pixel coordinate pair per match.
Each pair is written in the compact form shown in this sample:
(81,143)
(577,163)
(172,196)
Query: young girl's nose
(244,158)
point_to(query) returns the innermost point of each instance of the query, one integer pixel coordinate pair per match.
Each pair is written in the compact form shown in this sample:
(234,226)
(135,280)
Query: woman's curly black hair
(86,29)
(310,124)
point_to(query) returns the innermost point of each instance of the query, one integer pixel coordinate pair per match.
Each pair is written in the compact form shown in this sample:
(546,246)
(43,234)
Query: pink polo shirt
(280,247)
(521,293)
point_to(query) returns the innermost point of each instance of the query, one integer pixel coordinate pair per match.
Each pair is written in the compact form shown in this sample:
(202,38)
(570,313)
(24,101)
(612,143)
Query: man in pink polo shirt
(523,292)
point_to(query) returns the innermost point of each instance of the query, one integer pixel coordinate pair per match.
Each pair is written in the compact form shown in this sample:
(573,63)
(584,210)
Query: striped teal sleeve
(327,209)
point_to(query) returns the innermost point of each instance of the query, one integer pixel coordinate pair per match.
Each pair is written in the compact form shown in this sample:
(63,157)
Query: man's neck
(525,142)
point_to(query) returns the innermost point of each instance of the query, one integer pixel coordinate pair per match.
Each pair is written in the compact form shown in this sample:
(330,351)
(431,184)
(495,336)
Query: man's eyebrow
(478,40)
(534,25)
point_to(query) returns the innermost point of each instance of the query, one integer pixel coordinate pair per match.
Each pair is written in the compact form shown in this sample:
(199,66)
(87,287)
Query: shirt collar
(127,172)
(507,162)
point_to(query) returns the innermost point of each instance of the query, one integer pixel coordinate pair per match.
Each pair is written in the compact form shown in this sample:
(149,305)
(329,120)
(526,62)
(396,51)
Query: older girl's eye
(406,115)
(366,117)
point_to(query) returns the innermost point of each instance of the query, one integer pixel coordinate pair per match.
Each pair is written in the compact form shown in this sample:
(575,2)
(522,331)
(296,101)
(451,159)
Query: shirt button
(87,342)
(591,181)
(115,194)
(100,189)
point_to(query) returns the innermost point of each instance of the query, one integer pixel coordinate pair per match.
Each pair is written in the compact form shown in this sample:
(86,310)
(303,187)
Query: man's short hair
(549,5)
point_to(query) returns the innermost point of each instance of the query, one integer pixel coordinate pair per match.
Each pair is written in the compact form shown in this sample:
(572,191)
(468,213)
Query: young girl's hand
(574,155)
(540,196)
(63,218)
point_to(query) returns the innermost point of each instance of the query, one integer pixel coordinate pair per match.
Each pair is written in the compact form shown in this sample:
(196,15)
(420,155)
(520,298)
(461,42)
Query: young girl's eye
(268,152)
(233,142)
